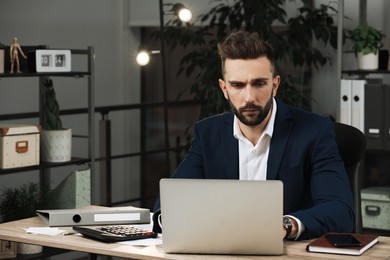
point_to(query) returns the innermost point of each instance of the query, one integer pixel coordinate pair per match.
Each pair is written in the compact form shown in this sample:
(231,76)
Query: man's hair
(245,45)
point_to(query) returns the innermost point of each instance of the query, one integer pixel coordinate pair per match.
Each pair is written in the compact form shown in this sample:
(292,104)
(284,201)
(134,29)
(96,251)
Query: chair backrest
(352,146)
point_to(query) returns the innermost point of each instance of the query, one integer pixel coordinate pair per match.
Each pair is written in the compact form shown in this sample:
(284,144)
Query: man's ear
(275,85)
(222,85)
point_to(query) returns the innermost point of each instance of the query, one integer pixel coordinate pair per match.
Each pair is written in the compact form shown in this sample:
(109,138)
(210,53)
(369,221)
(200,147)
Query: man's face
(249,86)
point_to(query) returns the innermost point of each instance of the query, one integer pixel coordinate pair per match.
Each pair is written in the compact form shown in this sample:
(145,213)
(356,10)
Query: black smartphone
(343,240)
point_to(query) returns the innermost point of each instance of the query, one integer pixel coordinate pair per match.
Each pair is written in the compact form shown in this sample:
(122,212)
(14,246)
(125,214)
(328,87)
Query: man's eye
(259,83)
(237,85)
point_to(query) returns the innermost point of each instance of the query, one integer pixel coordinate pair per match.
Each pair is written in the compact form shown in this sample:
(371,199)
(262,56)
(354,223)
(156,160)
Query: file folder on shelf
(375,115)
(357,104)
(352,92)
(345,101)
(74,191)
(95,216)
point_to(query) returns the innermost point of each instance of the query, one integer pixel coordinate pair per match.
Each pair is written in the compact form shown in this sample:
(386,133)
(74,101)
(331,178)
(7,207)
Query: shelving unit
(364,72)
(88,73)
(340,52)
(375,159)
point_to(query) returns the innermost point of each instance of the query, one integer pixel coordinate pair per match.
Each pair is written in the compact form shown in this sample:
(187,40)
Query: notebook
(222,216)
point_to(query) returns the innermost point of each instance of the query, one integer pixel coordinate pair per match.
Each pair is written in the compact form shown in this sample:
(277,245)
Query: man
(262,138)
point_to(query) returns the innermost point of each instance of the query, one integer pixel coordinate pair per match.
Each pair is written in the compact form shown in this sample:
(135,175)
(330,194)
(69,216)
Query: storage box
(19,146)
(376,207)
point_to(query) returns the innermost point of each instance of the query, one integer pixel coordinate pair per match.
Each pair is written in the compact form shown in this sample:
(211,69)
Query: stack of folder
(363,105)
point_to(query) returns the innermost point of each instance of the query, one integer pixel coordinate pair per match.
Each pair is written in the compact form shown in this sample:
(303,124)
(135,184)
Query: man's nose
(249,94)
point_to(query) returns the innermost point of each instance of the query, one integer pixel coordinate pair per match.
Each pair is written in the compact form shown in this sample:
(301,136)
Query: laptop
(204,216)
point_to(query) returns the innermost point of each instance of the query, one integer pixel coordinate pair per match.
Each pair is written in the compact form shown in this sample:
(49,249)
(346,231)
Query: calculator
(114,233)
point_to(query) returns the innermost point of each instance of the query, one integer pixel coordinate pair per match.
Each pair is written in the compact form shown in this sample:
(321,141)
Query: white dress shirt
(253,158)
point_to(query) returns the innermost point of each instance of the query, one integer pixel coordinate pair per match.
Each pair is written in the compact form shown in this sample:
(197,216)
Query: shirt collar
(268,130)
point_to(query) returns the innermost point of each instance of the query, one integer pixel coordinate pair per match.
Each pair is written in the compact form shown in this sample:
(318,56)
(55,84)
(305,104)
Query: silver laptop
(222,216)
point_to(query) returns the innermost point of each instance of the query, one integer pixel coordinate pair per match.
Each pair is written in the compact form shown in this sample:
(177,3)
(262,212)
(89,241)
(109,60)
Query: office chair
(352,145)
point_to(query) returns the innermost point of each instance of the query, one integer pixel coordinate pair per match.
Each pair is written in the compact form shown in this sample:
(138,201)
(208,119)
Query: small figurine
(14,51)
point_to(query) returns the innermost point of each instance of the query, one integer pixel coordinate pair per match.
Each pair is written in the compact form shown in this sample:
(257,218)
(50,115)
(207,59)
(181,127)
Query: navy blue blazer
(303,155)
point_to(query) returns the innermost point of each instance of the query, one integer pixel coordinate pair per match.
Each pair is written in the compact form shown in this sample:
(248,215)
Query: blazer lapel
(282,128)
(229,148)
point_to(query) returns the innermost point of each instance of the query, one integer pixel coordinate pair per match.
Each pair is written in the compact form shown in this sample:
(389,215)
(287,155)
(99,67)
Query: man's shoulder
(215,122)
(299,113)
(217,119)
(300,119)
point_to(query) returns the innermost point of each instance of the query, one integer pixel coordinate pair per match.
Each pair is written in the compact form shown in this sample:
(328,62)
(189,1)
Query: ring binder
(95,216)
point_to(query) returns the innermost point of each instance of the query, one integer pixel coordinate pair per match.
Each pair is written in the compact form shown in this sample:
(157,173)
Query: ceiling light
(143,58)
(184,14)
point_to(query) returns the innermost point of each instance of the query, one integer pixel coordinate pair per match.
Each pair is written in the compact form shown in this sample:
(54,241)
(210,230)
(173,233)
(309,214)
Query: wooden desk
(15,231)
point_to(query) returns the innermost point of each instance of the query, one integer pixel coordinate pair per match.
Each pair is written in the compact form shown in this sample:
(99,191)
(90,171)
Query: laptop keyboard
(114,233)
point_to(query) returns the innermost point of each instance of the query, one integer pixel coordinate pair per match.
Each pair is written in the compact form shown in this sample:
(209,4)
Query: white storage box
(376,207)
(19,146)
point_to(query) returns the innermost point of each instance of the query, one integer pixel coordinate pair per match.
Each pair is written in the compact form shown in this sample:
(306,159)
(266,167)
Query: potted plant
(366,44)
(56,141)
(22,202)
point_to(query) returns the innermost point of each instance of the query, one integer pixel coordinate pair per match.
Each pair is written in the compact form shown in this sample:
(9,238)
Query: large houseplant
(367,41)
(56,141)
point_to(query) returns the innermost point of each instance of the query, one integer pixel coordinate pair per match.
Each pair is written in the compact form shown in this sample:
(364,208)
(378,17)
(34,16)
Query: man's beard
(262,112)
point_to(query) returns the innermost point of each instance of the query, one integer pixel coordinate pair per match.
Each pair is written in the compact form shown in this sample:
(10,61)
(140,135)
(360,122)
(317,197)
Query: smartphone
(343,240)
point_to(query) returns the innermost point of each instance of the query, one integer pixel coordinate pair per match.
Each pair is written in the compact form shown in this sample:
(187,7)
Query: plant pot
(368,61)
(28,249)
(56,145)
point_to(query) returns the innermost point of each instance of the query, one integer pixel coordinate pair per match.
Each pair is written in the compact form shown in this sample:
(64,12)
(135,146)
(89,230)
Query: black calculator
(114,233)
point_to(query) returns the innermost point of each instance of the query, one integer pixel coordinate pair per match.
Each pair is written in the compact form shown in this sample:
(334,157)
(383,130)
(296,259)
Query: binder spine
(345,101)
(95,216)
(358,103)
(374,114)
